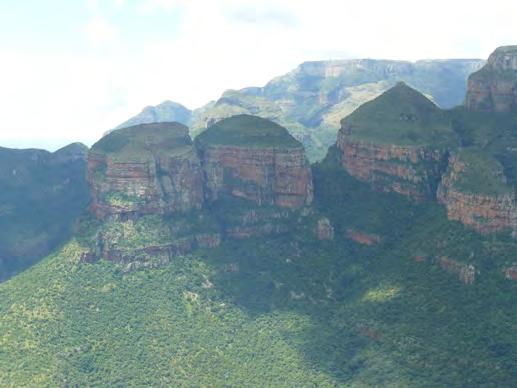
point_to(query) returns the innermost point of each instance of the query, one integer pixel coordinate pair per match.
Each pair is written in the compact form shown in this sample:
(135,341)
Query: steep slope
(255,159)
(397,142)
(494,87)
(145,169)
(475,192)
(42,195)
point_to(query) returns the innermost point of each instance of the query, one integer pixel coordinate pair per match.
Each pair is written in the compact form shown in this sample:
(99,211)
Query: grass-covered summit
(249,131)
(144,140)
(481,173)
(400,116)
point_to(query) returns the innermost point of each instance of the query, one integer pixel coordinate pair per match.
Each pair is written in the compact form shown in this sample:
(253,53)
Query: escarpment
(494,87)
(159,193)
(145,169)
(255,159)
(397,142)
(475,192)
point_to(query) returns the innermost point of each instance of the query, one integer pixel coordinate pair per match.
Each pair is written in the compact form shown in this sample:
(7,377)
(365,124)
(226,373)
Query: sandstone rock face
(397,142)
(410,171)
(486,213)
(363,238)
(241,159)
(466,272)
(494,87)
(152,182)
(324,229)
(272,176)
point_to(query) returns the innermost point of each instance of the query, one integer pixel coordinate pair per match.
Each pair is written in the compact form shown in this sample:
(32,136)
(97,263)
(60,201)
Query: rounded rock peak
(143,140)
(503,58)
(247,131)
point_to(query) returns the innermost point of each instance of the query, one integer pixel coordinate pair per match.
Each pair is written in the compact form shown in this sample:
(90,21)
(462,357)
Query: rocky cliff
(159,194)
(475,192)
(145,169)
(494,87)
(397,142)
(254,159)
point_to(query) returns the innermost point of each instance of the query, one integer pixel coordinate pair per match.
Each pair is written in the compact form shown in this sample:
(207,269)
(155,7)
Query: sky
(72,69)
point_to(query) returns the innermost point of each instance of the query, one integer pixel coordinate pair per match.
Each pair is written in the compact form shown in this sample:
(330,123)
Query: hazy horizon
(94,64)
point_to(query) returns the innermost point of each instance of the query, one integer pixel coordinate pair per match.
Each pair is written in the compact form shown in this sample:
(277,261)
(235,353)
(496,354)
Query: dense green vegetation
(249,131)
(282,311)
(481,173)
(41,196)
(400,116)
(144,140)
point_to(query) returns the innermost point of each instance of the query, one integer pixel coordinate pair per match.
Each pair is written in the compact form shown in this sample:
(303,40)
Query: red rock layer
(273,176)
(494,88)
(485,213)
(154,186)
(390,167)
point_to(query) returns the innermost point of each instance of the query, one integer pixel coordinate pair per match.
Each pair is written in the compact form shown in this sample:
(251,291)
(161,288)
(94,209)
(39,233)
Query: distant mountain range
(311,100)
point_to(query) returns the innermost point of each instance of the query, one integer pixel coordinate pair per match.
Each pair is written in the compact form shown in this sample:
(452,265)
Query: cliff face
(255,171)
(475,192)
(494,87)
(162,176)
(410,171)
(397,142)
(265,171)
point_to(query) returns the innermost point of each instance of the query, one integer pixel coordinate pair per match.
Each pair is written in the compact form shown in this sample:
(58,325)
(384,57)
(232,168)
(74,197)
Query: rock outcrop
(256,160)
(494,87)
(466,272)
(363,238)
(324,229)
(145,169)
(397,142)
(511,273)
(474,192)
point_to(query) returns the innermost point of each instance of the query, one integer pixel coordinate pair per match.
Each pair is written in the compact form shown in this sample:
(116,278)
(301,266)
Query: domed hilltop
(152,185)
(397,142)
(494,87)
(145,169)
(249,157)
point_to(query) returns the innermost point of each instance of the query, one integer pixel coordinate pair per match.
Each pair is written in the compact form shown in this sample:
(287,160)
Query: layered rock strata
(162,176)
(397,143)
(410,171)
(494,87)
(240,162)
(486,212)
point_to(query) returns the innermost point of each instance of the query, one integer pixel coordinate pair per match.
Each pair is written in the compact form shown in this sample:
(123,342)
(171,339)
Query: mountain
(493,87)
(312,99)
(228,260)
(167,111)
(42,195)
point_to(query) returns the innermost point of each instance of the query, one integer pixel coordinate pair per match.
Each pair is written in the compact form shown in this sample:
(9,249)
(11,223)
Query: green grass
(145,140)
(249,131)
(400,116)
(482,174)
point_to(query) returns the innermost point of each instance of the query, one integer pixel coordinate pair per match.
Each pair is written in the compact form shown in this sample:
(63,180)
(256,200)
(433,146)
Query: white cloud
(100,32)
